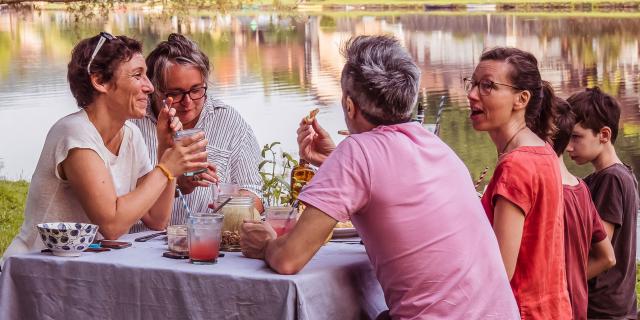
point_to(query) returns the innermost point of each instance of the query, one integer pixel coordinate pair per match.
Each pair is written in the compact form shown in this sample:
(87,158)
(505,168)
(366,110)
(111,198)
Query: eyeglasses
(104,36)
(484,86)
(194,94)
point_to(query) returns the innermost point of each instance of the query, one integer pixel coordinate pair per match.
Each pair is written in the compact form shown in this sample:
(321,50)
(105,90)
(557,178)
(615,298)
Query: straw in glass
(482,175)
(294,206)
(439,115)
(184,202)
(222,205)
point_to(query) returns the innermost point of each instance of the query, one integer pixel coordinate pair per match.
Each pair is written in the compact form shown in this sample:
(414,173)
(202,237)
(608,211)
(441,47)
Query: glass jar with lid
(235,212)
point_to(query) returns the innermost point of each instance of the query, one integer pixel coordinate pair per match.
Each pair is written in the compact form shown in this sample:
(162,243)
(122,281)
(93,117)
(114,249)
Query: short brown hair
(104,64)
(595,109)
(565,120)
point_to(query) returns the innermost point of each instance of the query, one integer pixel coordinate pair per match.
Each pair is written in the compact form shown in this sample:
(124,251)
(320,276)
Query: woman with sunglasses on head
(94,166)
(523,200)
(179,70)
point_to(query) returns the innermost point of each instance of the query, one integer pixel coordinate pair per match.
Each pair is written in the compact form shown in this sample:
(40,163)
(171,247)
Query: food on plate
(346,224)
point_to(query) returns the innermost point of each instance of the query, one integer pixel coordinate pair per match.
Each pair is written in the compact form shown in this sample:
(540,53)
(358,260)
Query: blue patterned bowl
(67,239)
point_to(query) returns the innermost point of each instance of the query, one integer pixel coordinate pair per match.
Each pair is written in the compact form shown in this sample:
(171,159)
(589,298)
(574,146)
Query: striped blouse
(233,148)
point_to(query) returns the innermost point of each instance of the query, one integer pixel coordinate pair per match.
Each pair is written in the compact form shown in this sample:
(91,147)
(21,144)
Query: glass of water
(188,133)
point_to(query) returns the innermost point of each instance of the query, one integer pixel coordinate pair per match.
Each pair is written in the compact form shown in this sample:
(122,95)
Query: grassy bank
(13,196)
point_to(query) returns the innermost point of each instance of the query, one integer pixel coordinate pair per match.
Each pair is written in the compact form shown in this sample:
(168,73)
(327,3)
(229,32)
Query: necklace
(510,140)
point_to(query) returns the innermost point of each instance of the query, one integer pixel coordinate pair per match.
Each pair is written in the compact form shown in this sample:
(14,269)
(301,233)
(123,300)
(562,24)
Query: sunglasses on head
(104,36)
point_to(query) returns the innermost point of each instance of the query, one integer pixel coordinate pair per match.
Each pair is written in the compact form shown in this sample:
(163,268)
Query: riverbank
(472,5)
(529,6)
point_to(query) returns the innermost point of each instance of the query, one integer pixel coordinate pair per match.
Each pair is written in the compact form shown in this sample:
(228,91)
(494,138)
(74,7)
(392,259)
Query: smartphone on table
(114,244)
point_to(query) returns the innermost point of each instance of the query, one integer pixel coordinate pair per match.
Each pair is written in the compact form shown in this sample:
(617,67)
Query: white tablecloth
(137,283)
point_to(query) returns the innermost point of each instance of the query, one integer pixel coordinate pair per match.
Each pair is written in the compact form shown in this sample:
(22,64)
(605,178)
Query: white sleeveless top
(51,199)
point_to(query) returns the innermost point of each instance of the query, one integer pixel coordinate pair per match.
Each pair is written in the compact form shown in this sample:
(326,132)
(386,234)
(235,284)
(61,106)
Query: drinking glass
(235,212)
(177,239)
(222,191)
(279,219)
(204,230)
(187,133)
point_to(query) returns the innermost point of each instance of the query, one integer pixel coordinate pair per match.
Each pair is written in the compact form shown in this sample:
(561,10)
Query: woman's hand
(168,124)
(314,143)
(188,154)
(188,184)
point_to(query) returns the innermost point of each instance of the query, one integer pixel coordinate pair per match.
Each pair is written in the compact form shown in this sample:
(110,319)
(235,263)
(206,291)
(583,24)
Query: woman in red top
(523,200)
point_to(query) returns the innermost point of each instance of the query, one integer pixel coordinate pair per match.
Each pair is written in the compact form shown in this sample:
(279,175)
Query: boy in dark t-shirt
(614,191)
(588,251)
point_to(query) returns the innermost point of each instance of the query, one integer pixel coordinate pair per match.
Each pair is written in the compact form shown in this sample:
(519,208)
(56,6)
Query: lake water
(275,67)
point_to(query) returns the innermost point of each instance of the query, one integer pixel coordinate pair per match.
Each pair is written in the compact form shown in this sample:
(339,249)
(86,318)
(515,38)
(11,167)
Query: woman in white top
(94,166)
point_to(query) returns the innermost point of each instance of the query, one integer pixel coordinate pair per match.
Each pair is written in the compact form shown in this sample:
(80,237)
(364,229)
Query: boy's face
(585,145)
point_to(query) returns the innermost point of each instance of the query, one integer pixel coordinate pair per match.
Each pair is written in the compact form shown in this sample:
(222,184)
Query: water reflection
(274,68)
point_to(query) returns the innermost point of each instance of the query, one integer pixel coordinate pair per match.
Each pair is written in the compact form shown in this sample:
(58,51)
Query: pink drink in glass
(281,226)
(204,250)
(279,219)
(204,234)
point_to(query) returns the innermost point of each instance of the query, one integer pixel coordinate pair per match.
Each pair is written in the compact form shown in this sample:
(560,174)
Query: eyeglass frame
(187,93)
(477,84)
(104,36)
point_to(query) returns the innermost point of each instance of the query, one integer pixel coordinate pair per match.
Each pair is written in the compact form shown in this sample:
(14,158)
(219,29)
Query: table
(137,283)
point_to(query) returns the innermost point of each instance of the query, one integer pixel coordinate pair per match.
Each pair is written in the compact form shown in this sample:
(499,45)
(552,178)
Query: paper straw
(439,115)
(294,206)
(184,202)
(482,175)
(222,205)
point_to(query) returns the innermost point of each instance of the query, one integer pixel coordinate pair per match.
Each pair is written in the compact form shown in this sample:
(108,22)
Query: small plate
(344,232)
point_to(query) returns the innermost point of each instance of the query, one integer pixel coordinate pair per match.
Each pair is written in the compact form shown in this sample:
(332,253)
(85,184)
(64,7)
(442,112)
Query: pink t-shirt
(413,203)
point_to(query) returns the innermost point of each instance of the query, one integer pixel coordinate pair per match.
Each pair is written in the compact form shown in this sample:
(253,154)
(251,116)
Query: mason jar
(235,212)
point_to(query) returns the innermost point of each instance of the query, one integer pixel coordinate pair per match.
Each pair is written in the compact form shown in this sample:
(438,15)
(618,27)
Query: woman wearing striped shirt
(178,69)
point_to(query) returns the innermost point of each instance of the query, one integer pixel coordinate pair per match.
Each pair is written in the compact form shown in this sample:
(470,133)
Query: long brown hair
(525,75)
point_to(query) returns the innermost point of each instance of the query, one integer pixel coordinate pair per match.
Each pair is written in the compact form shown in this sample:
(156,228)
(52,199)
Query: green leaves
(274,171)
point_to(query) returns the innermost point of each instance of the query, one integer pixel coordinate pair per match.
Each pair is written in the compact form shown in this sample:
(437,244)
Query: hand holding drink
(182,135)
(280,220)
(206,179)
(185,156)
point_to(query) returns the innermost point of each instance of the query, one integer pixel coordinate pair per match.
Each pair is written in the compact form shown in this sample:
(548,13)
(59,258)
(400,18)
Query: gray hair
(381,78)
(177,49)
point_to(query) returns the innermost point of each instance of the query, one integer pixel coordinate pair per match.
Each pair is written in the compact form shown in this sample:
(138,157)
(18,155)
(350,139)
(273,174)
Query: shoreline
(377,6)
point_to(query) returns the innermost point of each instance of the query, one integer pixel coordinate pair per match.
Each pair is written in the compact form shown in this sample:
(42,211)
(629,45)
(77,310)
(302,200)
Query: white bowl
(67,239)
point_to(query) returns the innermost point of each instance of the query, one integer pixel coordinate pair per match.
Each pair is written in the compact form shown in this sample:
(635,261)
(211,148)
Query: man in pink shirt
(407,193)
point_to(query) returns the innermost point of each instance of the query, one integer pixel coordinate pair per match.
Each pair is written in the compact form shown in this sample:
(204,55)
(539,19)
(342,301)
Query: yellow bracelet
(165,171)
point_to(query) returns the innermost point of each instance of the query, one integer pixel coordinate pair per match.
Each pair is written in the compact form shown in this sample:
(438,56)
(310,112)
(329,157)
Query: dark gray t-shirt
(612,294)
